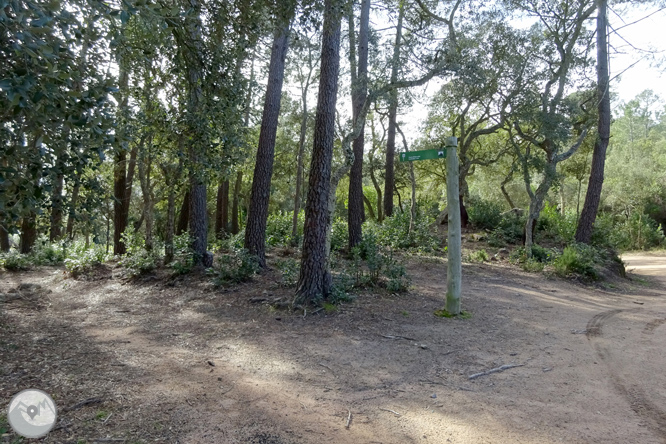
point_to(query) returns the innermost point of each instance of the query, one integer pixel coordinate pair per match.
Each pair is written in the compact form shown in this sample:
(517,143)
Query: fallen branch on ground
(397,337)
(348,419)
(495,370)
(392,411)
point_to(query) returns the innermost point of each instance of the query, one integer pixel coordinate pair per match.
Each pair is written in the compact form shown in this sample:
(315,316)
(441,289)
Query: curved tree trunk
(595,184)
(222,210)
(314,281)
(255,229)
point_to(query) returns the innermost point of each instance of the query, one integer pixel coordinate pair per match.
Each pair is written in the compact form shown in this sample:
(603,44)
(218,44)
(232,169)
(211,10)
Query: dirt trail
(180,361)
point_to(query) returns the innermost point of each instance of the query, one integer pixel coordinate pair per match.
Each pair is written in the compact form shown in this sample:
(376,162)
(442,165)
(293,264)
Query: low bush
(289,269)
(82,261)
(484,214)
(479,256)
(578,259)
(234,267)
(14,261)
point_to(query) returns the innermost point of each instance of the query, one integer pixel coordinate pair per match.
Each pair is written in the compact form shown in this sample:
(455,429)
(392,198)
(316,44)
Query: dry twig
(495,370)
(349,417)
(392,411)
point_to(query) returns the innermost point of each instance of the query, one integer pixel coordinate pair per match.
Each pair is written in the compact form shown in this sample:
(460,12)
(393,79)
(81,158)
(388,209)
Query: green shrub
(45,252)
(539,254)
(139,262)
(509,231)
(394,233)
(83,261)
(278,229)
(234,267)
(339,235)
(553,224)
(577,259)
(183,256)
(372,265)
(14,261)
(484,214)
(479,256)
(532,265)
(289,269)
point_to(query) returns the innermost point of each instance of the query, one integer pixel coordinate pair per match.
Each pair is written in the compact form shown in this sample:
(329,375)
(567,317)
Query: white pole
(454,272)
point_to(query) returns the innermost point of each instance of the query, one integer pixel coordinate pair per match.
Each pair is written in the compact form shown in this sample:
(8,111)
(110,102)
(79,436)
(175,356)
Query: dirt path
(180,361)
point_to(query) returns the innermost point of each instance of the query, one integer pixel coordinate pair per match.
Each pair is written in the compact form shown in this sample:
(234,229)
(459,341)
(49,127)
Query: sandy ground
(179,361)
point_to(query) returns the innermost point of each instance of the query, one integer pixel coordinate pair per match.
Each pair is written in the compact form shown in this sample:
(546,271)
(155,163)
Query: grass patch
(443,313)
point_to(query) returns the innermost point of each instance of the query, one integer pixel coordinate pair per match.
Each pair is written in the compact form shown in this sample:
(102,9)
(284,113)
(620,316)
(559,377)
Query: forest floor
(157,359)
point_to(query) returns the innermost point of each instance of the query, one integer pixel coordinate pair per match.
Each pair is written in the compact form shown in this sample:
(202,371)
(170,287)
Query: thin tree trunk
(4,236)
(255,229)
(56,206)
(506,180)
(235,228)
(184,215)
(145,167)
(389,178)
(72,210)
(171,217)
(301,150)
(355,214)
(368,205)
(222,210)
(314,283)
(595,184)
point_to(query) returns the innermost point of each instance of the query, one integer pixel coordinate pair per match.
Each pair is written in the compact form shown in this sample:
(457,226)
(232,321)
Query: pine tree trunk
(314,283)
(255,229)
(356,214)
(595,184)
(389,178)
(119,185)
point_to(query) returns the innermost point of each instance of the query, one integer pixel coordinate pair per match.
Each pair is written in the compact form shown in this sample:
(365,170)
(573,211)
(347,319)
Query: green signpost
(454,267)
(411,156)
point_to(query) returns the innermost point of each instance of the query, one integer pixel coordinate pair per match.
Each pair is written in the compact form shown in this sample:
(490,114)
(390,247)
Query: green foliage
(278,229)
(372,266)
(289,270)
(479,256)
(578,259)
(556,226)
(394,233)
(339,235)
(14,261)
(509,231)
(234,267)
(183,256)
(82,261)
(532,265)
(139,263)
(484,214)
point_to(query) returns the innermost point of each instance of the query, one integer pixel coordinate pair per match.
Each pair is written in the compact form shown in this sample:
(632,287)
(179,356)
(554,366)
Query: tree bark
(595,184)
(28,233)
(145,167)
(389,178)
(314,283)
(255,229)
(355,211)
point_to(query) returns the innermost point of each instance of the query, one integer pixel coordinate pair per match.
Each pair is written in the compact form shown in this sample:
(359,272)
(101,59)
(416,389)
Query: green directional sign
(411,156)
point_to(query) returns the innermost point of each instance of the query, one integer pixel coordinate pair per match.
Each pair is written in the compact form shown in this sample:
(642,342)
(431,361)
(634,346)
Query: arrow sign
(411,156)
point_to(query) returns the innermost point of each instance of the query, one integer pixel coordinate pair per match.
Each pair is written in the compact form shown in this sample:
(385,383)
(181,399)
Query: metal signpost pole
(454,272)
